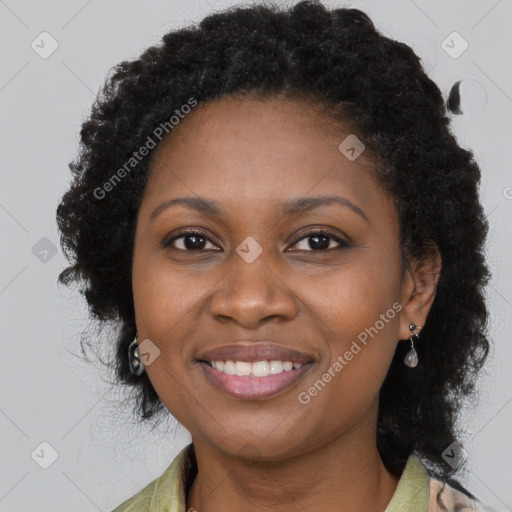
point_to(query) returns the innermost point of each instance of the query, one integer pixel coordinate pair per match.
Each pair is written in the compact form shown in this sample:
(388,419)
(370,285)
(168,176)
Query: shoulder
(442,495)
(167,493)
(140,502)
(451,496)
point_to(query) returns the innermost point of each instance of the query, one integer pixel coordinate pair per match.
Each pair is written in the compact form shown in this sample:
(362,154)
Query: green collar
(168,492)
(412,492)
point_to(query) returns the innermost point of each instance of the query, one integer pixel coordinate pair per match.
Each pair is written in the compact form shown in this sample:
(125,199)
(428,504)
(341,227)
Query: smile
(256,380)
(257,369)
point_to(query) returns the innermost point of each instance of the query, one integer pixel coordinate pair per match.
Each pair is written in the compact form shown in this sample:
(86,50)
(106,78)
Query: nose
(253,293)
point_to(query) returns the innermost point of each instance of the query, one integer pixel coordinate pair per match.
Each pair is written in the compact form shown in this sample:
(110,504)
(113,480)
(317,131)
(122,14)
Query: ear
(419,290)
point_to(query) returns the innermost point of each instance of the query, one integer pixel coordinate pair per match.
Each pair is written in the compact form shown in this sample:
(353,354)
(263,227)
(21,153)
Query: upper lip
(251,351)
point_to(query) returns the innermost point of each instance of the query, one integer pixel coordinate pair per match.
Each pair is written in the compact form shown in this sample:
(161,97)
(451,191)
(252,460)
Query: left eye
(321,240)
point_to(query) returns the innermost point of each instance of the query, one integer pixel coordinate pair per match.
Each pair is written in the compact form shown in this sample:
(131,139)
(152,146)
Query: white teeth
(276,367)
(256,369)
(287,366)
(260,369)
(229,368)
(242,368)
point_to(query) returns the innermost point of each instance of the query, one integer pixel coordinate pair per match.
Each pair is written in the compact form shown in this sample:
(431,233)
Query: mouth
(253,371)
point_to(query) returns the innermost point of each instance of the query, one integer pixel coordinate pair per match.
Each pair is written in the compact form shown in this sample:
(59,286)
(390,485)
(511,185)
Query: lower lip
(248,387)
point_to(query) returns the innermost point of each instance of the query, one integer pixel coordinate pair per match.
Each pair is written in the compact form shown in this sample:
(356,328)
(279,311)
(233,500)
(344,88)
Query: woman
(273,208)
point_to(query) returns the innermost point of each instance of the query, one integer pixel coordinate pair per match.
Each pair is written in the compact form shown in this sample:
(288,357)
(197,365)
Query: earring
(134,360)
(411,358)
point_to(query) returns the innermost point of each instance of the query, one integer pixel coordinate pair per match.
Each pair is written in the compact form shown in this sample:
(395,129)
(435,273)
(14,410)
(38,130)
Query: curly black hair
(334,58)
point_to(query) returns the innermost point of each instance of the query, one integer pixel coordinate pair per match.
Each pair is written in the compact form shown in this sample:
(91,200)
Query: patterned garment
(416,491)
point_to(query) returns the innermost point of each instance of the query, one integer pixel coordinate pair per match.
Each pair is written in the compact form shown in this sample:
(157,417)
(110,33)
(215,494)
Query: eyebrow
(293,207)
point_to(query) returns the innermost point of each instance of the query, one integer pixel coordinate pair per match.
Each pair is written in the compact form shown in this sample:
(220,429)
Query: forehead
(258,151)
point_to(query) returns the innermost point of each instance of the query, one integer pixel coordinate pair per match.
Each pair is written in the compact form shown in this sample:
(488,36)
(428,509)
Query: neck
(346,474)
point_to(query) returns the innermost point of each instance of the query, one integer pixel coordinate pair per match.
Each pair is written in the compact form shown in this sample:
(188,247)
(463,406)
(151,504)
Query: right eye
(189,241)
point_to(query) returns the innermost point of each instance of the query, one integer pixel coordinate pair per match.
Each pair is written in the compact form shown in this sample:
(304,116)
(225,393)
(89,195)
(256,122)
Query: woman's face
(257,175)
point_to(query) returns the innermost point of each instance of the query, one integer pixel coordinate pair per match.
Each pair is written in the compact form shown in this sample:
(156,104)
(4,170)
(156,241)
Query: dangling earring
(411,358)
(134,360)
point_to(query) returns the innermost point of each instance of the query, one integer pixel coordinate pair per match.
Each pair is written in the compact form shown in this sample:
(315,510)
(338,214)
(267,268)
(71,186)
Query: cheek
(357,310)
(163,294)
(352,297)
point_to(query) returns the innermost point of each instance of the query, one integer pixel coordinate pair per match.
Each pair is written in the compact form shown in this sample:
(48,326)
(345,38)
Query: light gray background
(47,393)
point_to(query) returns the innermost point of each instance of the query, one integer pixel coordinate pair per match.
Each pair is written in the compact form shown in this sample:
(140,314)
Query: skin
(250,156)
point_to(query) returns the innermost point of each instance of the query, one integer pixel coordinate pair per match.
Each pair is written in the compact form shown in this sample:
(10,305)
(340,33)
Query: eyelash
(310,233)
